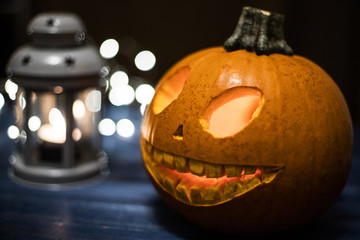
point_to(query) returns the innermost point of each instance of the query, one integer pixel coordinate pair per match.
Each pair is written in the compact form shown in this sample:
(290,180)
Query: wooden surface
(125,205)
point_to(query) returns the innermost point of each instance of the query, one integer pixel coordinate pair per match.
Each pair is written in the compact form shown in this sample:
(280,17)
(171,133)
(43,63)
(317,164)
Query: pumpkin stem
(259,31)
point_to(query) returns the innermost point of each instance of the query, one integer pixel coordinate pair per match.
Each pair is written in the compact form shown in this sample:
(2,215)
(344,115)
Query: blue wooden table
(125,205)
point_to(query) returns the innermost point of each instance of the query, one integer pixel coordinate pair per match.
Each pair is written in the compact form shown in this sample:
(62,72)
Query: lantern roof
(59,50)
(55,23)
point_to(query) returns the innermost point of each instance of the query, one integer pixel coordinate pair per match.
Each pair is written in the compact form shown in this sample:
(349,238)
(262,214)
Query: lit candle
(51,134)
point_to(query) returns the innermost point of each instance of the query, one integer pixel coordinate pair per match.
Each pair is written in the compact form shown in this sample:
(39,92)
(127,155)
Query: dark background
(323,31)
(125,206)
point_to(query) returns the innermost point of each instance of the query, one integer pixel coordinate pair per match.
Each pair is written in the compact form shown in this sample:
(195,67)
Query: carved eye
(232,111)
(170,89)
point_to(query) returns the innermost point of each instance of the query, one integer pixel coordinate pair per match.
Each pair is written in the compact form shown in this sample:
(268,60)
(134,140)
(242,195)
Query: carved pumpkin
(250,138)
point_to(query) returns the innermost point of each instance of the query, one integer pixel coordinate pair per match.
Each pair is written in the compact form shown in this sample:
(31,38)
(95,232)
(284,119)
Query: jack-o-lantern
(248,137)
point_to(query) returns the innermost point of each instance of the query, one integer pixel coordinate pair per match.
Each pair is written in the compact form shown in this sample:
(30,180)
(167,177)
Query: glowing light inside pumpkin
(232,111)
(170,89)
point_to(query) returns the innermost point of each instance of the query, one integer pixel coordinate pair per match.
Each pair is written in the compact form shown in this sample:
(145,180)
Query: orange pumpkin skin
(303,127)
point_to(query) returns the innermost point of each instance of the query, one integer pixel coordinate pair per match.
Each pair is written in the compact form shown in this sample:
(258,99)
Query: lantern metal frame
(62,62)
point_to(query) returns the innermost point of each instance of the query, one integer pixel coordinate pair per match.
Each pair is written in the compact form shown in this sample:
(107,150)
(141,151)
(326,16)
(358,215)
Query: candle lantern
(61,79)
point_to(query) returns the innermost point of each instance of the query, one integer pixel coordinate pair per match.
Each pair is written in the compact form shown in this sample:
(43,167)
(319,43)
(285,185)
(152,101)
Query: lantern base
(57,178)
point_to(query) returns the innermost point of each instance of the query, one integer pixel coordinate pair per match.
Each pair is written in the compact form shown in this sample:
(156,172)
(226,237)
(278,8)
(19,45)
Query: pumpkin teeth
(199,168)
(168,161)
(196,167)
(214,170)
(233,170)
(181,164)
(198,183)
(158,156)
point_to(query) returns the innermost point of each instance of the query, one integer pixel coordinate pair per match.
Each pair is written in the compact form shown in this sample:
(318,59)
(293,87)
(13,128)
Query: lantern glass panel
(59,127)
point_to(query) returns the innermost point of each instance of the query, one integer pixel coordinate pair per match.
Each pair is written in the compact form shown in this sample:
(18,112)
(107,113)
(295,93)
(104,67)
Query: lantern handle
(259,31)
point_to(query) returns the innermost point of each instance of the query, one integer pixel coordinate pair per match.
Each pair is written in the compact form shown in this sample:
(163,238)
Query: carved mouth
(199,183)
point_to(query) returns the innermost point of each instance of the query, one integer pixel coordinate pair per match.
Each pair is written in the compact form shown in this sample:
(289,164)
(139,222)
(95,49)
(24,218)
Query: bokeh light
(107,127)
(34,123)
(118,79)
(11,88)
(56,119)
(144,93)
(23,136)
(124,95)
(145,60)
(78,109)
(2,101)
(53,134)
(13,132)
(143,108)
(76,134)
(109,48)
(125,128)
(58,89)
(93,101)
(22,101)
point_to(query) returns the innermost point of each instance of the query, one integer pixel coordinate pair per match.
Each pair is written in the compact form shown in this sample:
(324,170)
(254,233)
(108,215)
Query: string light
(13,132)
(109,48)
(144,93)
(34,123)
(93,101)
(125,128)
(2,101)
(145,60)
(11,88)
(118,79)
(143,108)
(107,127)
(124,95)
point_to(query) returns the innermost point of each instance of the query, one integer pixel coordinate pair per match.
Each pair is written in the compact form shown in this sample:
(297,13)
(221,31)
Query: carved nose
(178,134)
